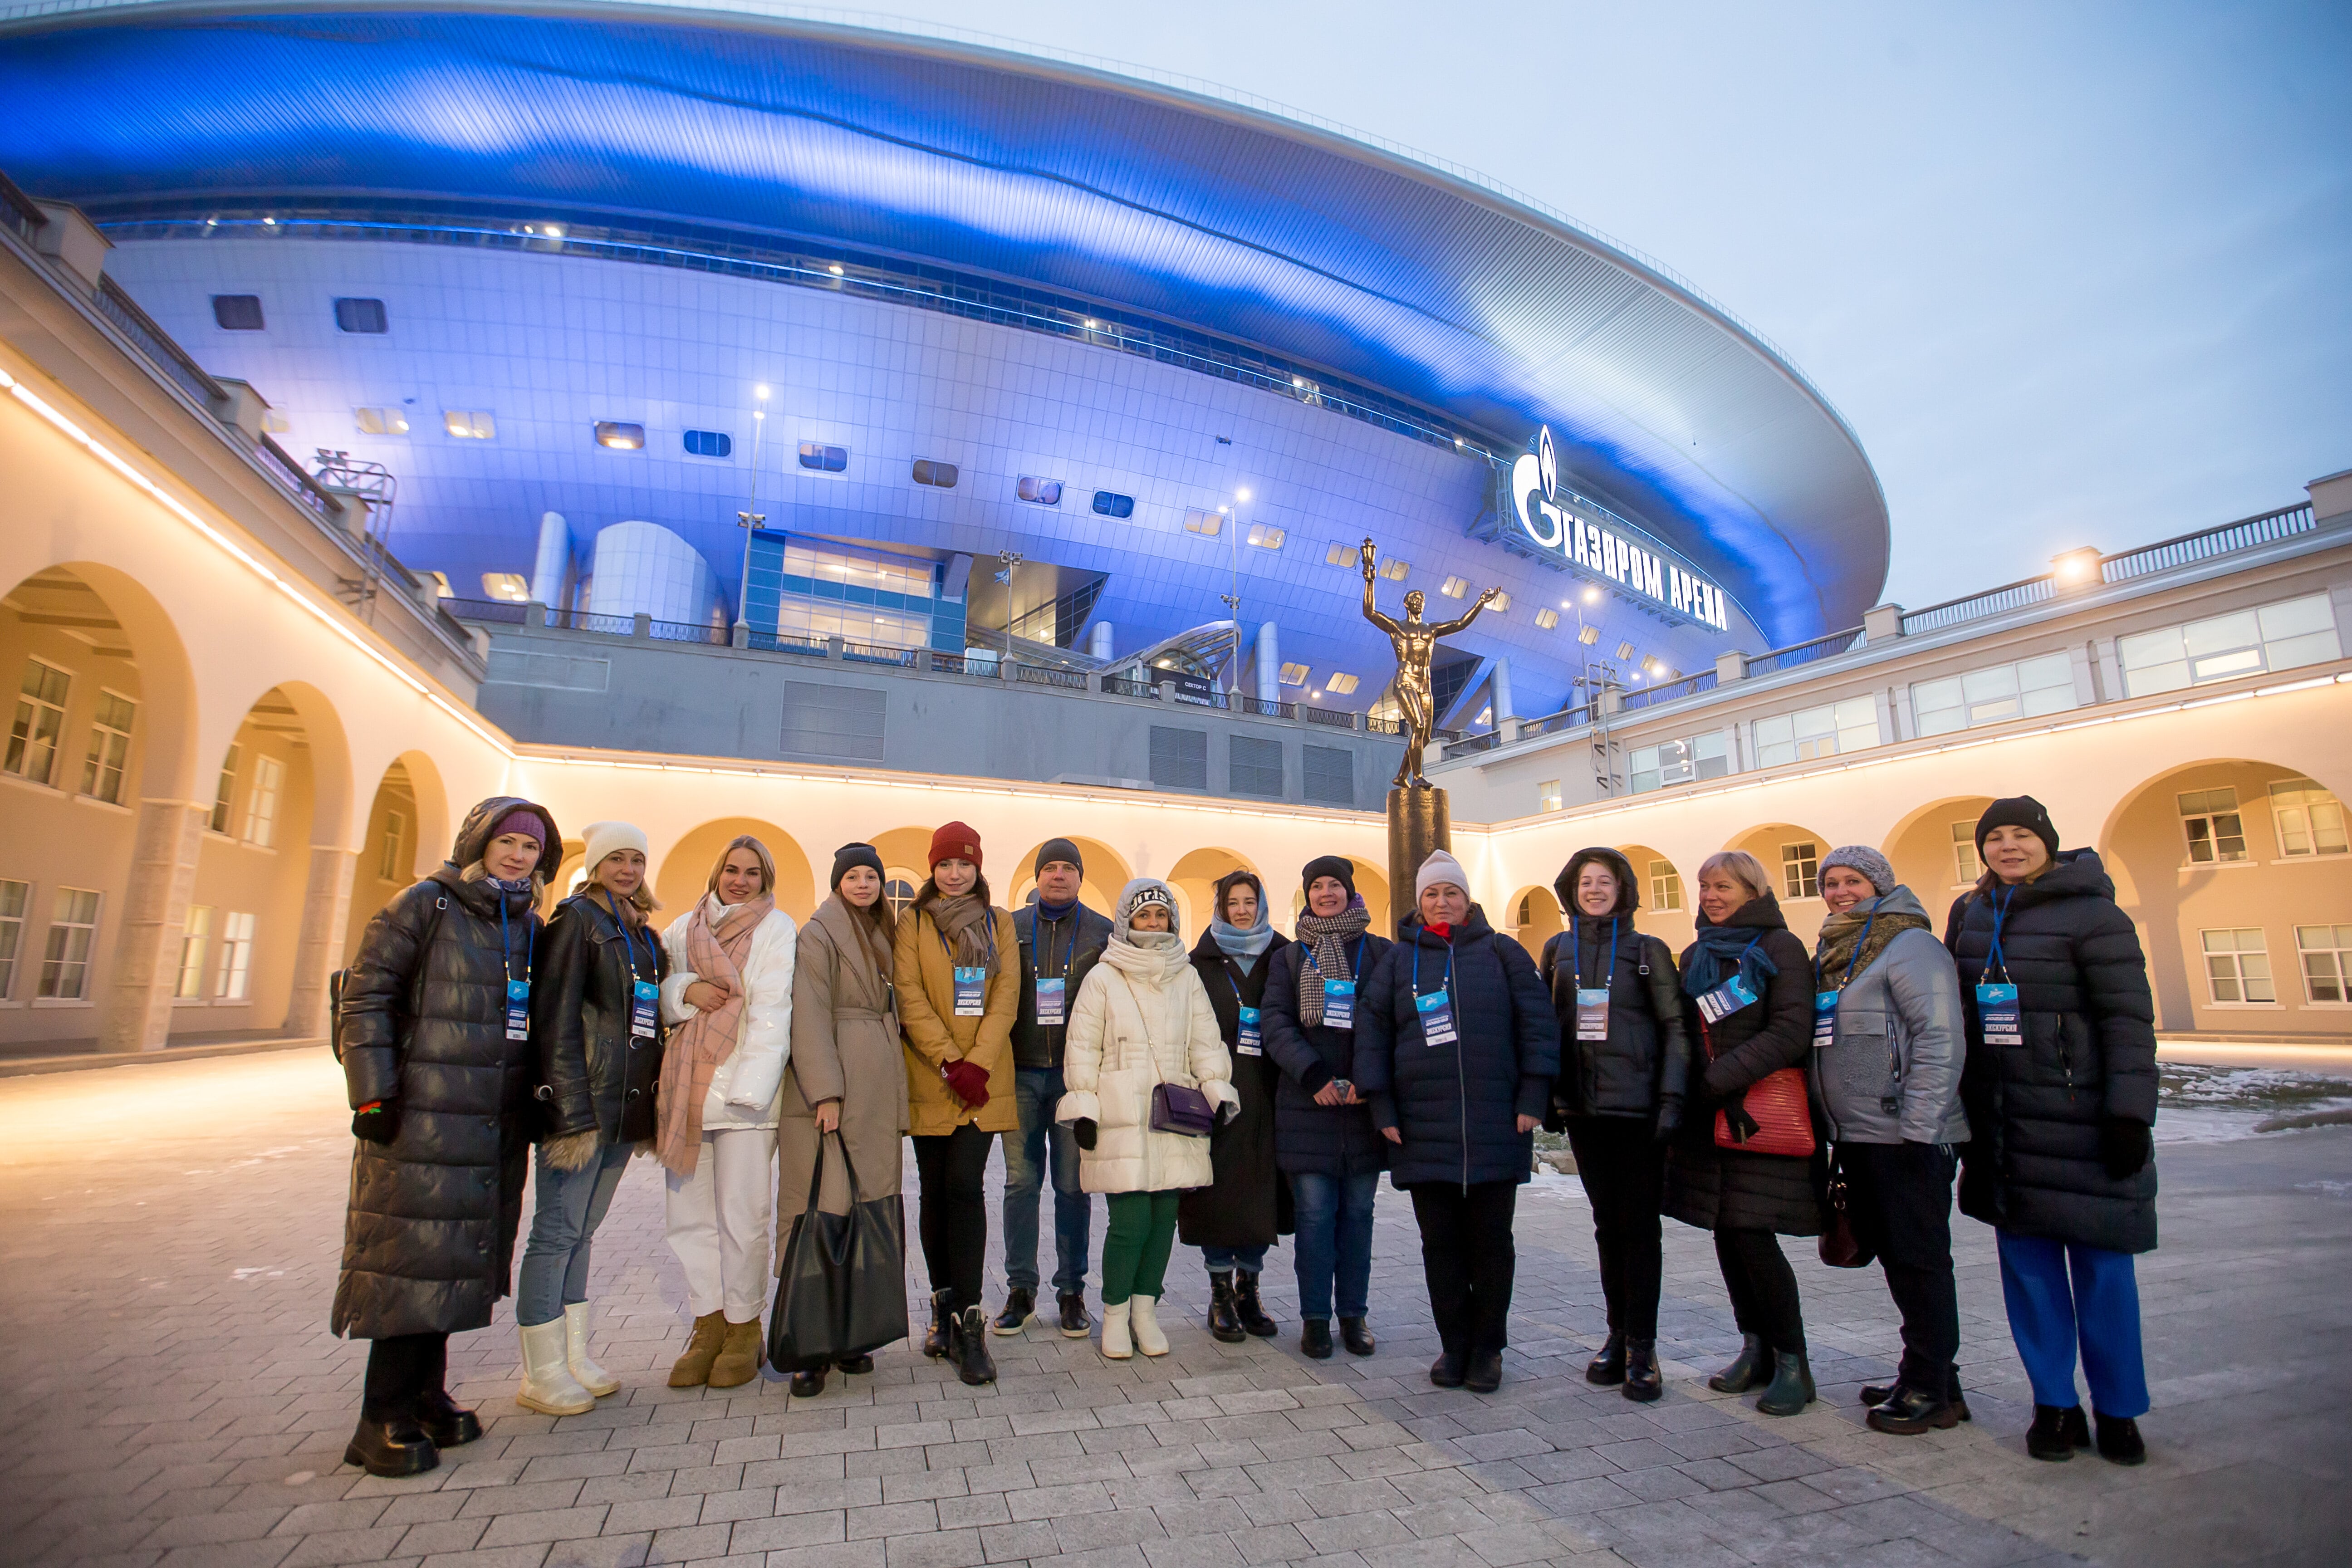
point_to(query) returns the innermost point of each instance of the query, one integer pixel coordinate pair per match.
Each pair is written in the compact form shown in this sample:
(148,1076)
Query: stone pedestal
(1417,823)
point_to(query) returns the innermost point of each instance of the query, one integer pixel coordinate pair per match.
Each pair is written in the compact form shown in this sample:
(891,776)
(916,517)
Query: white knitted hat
(1439,867)
(603,837)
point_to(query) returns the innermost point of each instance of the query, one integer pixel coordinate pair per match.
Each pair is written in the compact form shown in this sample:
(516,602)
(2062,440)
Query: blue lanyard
(1355,965)
(948,948)
(1856,956)
(1999,914)
(1576,955)
(506,944)
(627,936)
(1447,983)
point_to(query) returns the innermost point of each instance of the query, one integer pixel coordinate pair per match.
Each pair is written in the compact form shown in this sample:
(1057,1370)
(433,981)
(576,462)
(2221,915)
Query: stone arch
(126,616)
(685,871)
(1926,854)
(904,851)
(1106,872)
(394,848)
(1665,893)
(1532,914)
(1194,879)
(1794,880)
(435,827)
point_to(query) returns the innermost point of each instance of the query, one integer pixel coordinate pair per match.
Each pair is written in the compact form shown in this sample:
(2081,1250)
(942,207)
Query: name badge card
(644,1010)
(1592,1012)
(971,990)
(2004,1021)
(1437,1011)
(518,1009)
(1824,1019)
(1251,1041)
(1050,1002)
(1339,1005)
(1727,999)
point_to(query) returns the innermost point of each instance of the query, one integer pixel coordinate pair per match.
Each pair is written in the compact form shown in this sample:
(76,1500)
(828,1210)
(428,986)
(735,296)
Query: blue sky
(2075,273)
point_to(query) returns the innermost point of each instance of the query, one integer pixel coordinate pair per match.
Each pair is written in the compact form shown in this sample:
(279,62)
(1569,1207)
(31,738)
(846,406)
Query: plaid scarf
(704,1042)
(1329,936)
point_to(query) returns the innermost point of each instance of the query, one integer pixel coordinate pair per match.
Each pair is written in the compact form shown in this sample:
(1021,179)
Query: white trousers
(718,1220)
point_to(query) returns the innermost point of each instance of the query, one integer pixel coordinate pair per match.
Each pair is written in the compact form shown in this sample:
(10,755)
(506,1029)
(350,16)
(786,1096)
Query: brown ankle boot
(692,1370)
(739,1358)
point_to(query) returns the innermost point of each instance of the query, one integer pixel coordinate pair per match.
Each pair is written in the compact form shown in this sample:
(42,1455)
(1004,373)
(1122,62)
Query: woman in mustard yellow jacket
(959,978)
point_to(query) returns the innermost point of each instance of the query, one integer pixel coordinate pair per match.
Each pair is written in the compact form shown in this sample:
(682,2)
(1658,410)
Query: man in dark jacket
(1324,1140)
(438,1065)
(1459,1048)
(1060,941)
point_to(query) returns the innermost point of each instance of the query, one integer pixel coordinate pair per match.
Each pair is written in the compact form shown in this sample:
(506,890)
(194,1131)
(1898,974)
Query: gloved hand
(1670,1119)
(969,1082)
(378,1122)
(1084,1130)
(2124,1147)
(1227,1110)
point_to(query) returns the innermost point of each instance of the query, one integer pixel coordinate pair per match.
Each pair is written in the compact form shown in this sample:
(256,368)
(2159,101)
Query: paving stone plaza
(170,1244)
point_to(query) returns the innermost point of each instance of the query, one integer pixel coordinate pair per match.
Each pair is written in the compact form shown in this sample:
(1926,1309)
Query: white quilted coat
(746,1090)
(1142,1017)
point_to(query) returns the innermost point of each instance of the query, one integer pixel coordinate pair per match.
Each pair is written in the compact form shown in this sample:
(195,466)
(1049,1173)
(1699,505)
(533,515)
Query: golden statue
(1415,641)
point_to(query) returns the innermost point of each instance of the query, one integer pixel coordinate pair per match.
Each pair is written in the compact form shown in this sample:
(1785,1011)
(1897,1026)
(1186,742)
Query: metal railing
(497,612)
(1119,686)
(308,494)
(1667,691)
(1383,726)
(785,642)
(687,631)
(1472,745)
(589,621)
(2207,542)
(1552,723)
(1044,675)
(1968,608)
(1795,654)
(875,653)
(1265,709)
(157,343)
(1326,718)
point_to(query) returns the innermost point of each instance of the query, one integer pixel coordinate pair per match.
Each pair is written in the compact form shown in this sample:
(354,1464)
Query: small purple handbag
(1182,1110)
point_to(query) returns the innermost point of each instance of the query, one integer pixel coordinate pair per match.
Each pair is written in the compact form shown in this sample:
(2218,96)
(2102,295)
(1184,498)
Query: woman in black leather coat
(439,1072)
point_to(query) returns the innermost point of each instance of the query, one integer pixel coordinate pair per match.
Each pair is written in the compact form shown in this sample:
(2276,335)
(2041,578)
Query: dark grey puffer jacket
(1642,1068)
(428,1240)
(1897,1036)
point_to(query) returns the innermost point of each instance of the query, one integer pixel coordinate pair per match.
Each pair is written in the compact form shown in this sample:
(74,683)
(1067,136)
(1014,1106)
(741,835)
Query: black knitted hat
(1337,866)
(2018,811)
(851,855)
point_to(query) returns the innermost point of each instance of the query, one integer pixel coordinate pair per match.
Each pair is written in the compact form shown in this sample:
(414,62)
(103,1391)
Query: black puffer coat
(2088,1053)
(1456,1104)
(1248,1204)
(1322,1139)
(428,1241)
(1642,1068)
(1732,1189)
(593,1072)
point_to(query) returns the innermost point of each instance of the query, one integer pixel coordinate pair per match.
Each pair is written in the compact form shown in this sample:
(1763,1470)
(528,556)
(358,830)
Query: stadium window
(360,316)
(2276,636)
(1692,758)
(1547,797)
(1829,730)
(380,421)
(1454,587)
(1589,635)
(1111,503)
(470,423)
(1293,675)
(1547,618)
(617,437)
(2326,952)
(237,312)
(1338,554)
(940,476)
(109,746)
(1800,870)
(2310,820)
(1206,523)
(73,931)
(2238,967)
(507,585)
(1394,570)
(1037,491)
(40,720)
(1264,535)
(2026,690)
(818,457)
(1340,683)
(1500,603)
(16,899)
(2210,822)
(1666,886)
(710,444)
(1967,865)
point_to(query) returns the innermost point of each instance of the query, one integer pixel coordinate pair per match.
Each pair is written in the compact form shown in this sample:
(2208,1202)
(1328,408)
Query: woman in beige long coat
(847,1073)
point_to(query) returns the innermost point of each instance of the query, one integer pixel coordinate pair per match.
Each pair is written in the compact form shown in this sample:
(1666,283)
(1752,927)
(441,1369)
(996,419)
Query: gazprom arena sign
(1544,522)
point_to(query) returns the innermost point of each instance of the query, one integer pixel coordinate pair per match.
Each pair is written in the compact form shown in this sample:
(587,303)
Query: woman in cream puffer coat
(1142,1018)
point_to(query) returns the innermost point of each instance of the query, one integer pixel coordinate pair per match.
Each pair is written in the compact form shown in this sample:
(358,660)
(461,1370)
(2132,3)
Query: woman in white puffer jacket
(1141,1019)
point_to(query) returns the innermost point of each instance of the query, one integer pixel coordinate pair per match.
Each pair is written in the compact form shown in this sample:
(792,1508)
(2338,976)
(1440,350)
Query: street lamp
(1007,559)
(749,520)
(1232,596)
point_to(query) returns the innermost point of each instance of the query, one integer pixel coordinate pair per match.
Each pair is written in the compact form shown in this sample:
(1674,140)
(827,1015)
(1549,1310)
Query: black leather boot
(974,1363)
(2119,1439)
(1075,1325)
(1019,1306)
(808,1384)
(448,1426)
(1247,1307)
(2057,1432)
(1791,1388)
(1224,1321)
(1356,1337)
(856,1365)
(1608,1368)
(1447,1370)
(394,1447)
(1643,1382)
(1484,1372)
(935,1344)
(1751,1366)
(1908,1412)
(1880,1393)
(1315,1339)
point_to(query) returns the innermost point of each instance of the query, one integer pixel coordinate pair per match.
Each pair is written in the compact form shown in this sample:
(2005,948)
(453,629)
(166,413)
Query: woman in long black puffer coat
(1747,1198)
(2060,1089)
(434,1038)
(1236,1217)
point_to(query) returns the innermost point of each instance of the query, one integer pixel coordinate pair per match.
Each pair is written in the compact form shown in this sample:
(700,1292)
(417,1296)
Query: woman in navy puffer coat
(1456,1049)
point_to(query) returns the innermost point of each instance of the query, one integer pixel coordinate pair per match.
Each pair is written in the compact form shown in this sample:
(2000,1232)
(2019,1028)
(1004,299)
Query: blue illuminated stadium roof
(1420,285)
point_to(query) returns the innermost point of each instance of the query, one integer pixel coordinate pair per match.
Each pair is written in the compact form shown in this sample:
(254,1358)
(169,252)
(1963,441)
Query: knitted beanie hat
(1055,849)
(605,837)
(956,841)
(1337,867)
(1866,861)
(1439,867)
(2018,811)
(849,858)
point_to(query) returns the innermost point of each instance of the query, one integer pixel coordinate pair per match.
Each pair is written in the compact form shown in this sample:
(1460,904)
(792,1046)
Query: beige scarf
(964,921)
(705,1041)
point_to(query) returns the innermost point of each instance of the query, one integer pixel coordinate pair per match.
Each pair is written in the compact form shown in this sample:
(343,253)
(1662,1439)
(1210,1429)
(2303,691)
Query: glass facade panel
(2284,636)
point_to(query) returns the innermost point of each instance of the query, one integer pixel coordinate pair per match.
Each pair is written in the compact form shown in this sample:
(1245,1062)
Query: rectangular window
(2276,636)
(73,928)
(2310,820)
(360,316)
(470,423)
(196,936)
(1394,570)
(620,435)
(941,475)
(818,457)
(1179,758)
(2238,967)
(2210,819)
(1255,767)
(380,421)
(1292,675)
(1547,795)
(236,958)
(1338,554)
(2026,690)
(15,899)
(1800,870)
(2326,952)
(1340,683)
(1809,732)
(40,720)
(1263,535)
(1454,587)
(1701,756)
(110,747)
(1110,503)
(1666,886)
(1330,775)
(1206,523)
(1547,618)
(261,801)
(1967,865)
(237,312)
(708,444)
(1037,491)
(388,867)
(224,791)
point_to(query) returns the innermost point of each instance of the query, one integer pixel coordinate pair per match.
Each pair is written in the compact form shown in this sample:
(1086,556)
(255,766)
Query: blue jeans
(1035,1092)
(1334,1244)
(1225,1260)
(571,1204)
(2060,1295)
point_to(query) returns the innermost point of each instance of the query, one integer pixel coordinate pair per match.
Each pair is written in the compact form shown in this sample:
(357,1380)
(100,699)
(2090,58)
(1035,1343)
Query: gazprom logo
(1554,529)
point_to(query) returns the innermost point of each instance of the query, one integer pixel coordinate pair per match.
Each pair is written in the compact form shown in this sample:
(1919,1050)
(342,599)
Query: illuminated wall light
(620,437)
(1341,683)
(2075,566)
(835,269)
(1547,618)
(1592,595)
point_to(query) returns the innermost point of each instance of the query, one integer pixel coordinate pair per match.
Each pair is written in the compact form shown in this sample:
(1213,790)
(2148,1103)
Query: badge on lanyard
(971,990)
(2004,1021)
(1437,1011)
(518,1009)
(1727,999)
(1824,1019)
(1049,1002)
(1250,1043)
(1592,1012)
(645,1011)
(1339,1005)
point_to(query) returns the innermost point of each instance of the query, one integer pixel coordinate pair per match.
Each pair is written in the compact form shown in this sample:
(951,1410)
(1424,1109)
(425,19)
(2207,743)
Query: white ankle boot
(585,1370)
(1115,1343)
(1143,1319)
(547,1385)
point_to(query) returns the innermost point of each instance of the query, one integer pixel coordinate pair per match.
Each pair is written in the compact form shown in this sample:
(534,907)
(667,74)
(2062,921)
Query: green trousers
(1135,1248)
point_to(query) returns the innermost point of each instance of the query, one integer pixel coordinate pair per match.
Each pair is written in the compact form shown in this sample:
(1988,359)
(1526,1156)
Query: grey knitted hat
(1867,861)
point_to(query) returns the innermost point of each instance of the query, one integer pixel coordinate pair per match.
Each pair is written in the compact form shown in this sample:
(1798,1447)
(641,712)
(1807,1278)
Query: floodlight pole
(1008,559)
(749,520)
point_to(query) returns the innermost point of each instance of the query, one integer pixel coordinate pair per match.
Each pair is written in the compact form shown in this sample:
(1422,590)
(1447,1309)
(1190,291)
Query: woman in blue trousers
(2060,1089)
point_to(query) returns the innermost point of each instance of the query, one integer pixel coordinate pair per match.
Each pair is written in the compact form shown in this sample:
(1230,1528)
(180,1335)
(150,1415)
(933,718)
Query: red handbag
(1770,1117)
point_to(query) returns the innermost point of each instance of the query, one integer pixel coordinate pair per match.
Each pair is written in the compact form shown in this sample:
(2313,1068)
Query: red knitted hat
(956,841)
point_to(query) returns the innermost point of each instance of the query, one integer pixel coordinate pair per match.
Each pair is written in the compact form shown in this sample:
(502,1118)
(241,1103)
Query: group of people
(1240,1089)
